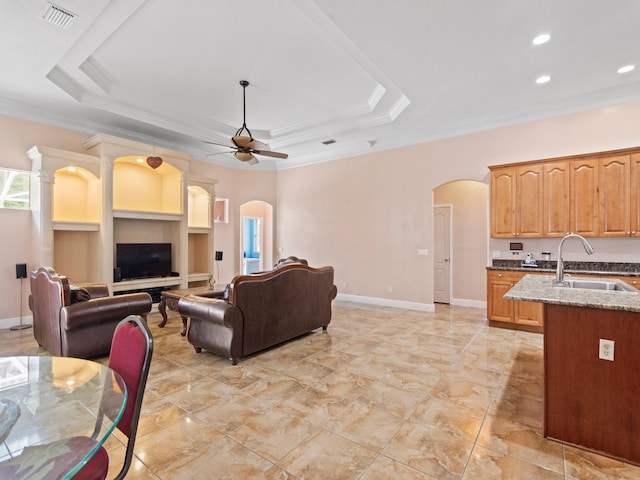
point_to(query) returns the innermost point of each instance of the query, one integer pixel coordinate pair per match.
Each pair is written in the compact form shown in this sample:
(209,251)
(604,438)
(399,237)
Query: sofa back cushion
(283,304)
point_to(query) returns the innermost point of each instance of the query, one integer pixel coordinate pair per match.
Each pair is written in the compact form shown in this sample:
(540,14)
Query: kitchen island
(589,401)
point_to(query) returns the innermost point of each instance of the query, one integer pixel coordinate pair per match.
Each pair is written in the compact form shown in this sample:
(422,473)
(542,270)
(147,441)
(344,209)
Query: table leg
(162,308)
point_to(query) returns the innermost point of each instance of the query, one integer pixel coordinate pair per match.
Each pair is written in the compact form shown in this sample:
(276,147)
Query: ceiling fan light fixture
(245,145)
(243,156)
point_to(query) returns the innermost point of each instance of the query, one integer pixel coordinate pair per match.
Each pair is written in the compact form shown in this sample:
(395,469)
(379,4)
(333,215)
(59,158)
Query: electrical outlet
(606,349)
(423,252)
(390,289)
(344,284)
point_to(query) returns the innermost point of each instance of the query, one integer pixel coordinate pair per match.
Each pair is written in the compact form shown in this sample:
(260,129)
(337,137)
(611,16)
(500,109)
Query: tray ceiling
(367,74)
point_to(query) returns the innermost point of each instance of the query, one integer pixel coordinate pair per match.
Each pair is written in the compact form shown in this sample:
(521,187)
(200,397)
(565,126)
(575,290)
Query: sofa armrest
(96,290)
(104,309)
(212,310)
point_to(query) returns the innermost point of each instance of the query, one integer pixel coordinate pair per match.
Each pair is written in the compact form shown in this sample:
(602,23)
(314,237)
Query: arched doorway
(256,237)
(460,242)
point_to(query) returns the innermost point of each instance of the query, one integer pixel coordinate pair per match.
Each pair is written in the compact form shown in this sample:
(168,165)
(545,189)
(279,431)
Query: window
(14,189)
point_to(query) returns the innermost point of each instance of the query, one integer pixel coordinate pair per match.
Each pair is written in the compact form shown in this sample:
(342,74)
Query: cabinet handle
(499,275)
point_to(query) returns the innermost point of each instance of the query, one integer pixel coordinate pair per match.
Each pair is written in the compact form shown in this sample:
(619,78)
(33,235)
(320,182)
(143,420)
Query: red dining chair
(130,356)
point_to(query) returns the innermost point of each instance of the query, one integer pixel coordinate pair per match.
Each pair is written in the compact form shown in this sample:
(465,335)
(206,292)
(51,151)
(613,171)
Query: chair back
(46,301)
(130,356)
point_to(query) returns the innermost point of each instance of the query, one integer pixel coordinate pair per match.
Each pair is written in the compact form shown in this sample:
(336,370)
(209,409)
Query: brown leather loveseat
(78,321)
(262,310)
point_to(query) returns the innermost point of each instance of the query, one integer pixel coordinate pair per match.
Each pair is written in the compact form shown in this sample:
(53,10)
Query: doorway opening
(460,243)
(256,237)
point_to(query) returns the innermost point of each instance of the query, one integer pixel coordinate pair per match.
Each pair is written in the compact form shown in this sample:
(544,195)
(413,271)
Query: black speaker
(117,274)
(218,256)
(21,270)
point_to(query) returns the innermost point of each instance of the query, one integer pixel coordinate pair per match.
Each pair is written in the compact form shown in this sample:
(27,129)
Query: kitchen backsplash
(614,267)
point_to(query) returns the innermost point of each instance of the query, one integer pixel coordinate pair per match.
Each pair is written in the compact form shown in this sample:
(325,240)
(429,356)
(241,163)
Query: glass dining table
(55,413)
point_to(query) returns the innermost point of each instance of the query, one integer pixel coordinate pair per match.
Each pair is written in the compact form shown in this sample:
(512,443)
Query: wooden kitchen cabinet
(614,196)
(635,195)
(516,201)
(583,190)
(556,208)
(500,282)
(594,195)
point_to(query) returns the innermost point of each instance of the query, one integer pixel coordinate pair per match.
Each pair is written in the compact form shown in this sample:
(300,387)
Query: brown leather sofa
(78,321)
(262,310)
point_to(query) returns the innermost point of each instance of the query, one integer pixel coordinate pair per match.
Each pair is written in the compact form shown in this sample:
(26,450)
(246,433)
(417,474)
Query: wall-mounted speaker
(218,256)
(21,270)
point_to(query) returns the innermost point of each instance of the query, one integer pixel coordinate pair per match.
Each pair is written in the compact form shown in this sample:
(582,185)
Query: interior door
(441,255)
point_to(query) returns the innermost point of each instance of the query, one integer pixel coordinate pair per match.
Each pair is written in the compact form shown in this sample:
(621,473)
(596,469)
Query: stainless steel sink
(599,284)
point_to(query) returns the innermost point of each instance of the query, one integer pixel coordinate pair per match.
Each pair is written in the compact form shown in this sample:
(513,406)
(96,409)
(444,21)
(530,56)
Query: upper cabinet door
(614,199)
(503,198)
(584,197)
(529,201)
(556,208)
(635,195)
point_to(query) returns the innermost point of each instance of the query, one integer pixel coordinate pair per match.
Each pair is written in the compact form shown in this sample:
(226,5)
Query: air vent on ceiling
(57,16)
(328,142)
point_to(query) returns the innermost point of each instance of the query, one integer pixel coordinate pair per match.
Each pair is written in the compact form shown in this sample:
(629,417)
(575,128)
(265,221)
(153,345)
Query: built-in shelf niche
(221,210)
(75,254)
(137,187)
(199,209)
(77,197)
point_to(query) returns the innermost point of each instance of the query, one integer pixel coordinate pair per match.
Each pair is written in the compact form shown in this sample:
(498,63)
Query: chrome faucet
(559,281)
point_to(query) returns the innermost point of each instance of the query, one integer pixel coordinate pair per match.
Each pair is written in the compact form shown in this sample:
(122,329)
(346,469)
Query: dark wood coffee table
(170,298)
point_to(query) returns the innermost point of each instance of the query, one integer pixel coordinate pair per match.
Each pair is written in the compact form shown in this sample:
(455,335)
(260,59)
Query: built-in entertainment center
(110,216)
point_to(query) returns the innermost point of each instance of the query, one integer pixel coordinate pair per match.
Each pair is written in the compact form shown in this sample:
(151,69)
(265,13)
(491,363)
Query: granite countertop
(538,288)
(589,268)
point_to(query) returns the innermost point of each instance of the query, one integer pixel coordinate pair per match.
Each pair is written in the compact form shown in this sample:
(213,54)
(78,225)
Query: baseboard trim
(11,322)
(463,302)
(422,307)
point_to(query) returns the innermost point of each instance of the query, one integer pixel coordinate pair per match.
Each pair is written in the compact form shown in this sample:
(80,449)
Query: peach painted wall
(367,215)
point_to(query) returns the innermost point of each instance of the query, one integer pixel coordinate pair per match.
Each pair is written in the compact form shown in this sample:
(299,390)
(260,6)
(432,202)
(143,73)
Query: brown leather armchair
(78,321)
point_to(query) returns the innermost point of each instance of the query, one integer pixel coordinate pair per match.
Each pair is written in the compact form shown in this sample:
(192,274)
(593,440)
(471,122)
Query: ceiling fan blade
(257,145)
(218,144)
(269,153)
(219,153)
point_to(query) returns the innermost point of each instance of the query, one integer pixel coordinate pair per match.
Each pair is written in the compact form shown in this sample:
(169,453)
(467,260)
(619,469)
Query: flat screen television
(143,260)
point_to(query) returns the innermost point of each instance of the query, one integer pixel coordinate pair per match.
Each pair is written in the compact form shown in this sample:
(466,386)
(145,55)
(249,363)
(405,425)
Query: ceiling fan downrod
(244,84)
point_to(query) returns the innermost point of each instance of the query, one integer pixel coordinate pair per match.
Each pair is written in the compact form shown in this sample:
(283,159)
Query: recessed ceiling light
(542,38)
(543,79)
(626,68)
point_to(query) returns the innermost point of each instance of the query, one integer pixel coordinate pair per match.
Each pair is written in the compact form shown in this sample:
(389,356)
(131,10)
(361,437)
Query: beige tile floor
(383,394)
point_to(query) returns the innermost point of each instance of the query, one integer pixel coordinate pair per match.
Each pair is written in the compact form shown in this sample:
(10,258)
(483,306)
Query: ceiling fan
(246,147)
